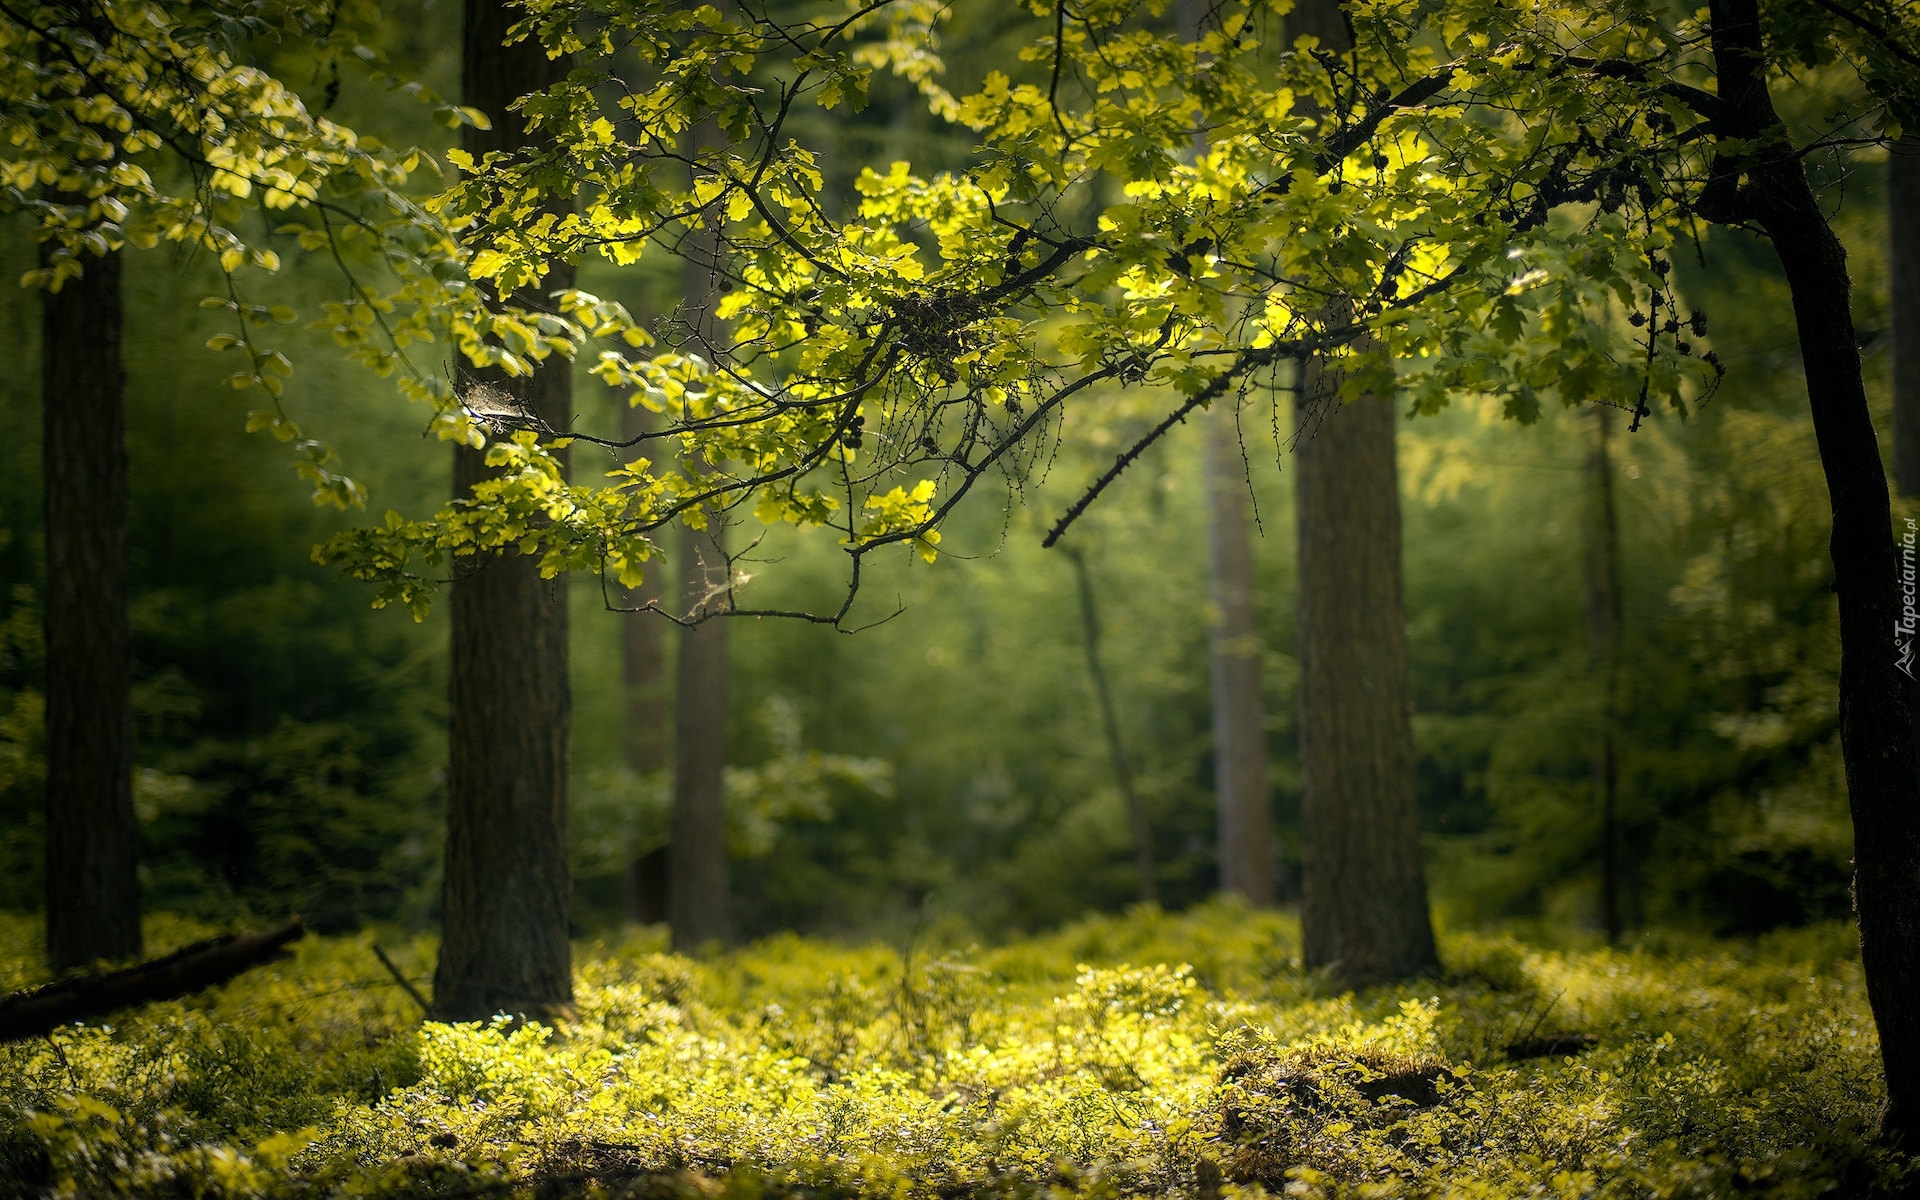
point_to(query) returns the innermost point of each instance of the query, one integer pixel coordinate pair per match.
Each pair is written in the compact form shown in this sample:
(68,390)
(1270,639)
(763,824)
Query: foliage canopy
(1481,199)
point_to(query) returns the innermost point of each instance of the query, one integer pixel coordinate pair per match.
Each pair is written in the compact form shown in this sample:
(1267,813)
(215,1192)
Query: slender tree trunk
(504,943)
(643,662)
(699,896)
(1239,717)
(1149,888)
(699,899)
(1363,910)
(1903,260)
(1603,643)
(93,884)
(1876,717)
(1242,805)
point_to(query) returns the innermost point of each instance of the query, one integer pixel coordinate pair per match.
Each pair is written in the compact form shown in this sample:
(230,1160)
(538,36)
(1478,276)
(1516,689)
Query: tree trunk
(1603,644)
(93,883)
(1903,261)
(1363,908)
(504,944)
(1903,271)
(643,663)
(1239,724)
(1149,888)
(1876,717)
(699,900)
(1243,817)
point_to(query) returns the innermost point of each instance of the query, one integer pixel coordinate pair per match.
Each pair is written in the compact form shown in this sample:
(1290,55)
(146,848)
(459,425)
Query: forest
(948,599)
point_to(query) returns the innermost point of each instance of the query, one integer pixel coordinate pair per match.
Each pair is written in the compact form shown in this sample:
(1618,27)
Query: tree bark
(1147,885)
(504,944)
(699,900)
(1876,718)
(643,666)
(1239,717)
(1903,261)
(1363,909)
(93,883)
(1603,646)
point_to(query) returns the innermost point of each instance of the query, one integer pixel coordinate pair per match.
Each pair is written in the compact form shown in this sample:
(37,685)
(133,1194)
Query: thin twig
(400,979)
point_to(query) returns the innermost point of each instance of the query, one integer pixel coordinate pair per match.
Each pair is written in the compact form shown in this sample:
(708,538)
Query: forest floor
(1150,1054)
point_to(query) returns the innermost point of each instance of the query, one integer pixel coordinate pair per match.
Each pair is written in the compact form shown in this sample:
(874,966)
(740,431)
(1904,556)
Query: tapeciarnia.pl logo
(1903,629)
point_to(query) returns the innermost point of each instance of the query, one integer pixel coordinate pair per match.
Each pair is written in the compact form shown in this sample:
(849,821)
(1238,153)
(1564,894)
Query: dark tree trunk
(643,668)
(1876,718)
(1148,887)
(504,943)
(93,883)
(1363,908)
(1603,645)
(1903,261)
(699,900)
(1239,717)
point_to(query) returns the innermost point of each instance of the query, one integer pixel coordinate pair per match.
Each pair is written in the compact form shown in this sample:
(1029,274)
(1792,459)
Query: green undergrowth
(1146,1055)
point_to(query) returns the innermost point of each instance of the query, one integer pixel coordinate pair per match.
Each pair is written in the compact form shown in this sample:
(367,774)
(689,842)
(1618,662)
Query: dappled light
(953,599)
(1050,1065)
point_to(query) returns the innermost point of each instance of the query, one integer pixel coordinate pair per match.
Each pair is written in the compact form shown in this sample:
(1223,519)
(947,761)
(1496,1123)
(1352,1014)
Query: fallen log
(41,1010)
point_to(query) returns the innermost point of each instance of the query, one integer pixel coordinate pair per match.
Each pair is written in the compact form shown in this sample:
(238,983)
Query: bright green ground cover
(1049,1067)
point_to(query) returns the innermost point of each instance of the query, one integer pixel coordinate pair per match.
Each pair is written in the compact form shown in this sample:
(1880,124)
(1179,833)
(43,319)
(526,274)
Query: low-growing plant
(1098,1061)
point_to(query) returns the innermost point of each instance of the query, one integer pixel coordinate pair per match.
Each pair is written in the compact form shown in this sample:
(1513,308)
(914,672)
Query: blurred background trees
(289,744)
